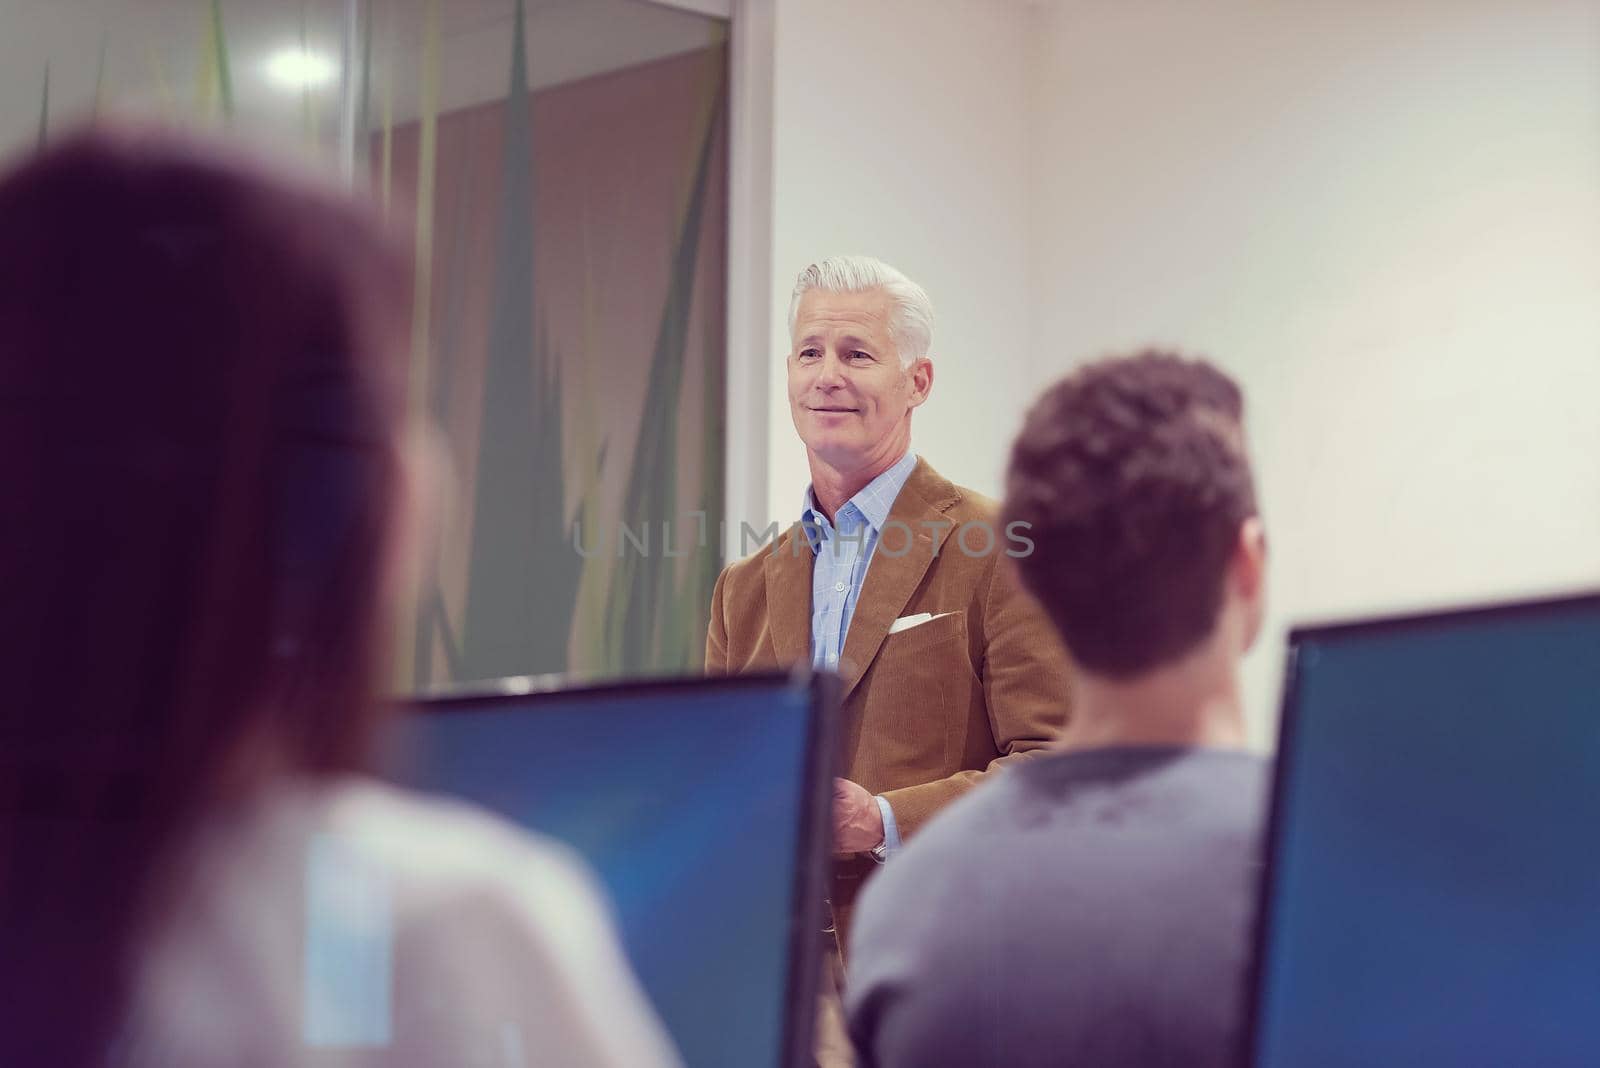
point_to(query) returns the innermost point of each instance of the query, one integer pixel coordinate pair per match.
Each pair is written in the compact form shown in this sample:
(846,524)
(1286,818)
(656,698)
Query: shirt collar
(873,500)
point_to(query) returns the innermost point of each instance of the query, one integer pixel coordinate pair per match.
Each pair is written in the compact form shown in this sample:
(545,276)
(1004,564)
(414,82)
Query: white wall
(900,130)
(1385,221)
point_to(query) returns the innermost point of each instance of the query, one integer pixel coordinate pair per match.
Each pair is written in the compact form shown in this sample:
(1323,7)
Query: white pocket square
(907,622)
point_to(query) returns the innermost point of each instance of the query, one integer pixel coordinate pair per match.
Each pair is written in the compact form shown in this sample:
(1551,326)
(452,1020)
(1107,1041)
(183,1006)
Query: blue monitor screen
(1435,880)
(687,802)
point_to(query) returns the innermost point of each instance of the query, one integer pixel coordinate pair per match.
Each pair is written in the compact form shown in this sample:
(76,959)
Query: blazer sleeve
(717,632)
(1026,689)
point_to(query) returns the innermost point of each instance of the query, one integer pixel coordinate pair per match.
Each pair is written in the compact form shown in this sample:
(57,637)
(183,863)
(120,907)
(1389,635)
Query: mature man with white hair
(894,577)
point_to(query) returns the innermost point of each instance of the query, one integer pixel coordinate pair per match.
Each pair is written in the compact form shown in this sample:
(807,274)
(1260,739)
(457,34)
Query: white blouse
(350,923)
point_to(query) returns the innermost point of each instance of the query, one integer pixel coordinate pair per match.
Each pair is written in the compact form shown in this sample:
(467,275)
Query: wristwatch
(880,852)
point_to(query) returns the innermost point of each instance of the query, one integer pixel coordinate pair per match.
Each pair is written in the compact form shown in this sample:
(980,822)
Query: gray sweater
(1086,908)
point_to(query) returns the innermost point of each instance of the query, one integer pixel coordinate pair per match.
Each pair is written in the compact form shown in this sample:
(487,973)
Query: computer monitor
(701,804)
(1432,891)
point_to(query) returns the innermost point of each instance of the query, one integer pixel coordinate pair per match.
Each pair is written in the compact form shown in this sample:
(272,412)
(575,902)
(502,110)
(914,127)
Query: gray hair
(911,312)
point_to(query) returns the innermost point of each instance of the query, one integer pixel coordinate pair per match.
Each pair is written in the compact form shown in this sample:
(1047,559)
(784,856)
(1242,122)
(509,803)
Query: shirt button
(839,587)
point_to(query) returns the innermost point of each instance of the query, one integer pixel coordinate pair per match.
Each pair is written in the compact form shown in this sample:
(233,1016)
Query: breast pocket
(912,727)
(941,628)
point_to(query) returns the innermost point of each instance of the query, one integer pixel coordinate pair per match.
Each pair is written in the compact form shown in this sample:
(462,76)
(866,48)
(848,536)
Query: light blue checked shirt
(842,552)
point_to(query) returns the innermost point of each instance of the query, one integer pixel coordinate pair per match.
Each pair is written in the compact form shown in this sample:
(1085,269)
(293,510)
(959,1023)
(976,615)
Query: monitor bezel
(813,836)
(1288,716)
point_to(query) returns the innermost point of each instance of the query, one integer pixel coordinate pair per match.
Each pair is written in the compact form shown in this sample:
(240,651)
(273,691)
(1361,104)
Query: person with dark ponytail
(206,492)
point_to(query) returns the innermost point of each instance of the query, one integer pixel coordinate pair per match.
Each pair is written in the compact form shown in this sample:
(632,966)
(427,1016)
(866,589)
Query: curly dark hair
(1132,476)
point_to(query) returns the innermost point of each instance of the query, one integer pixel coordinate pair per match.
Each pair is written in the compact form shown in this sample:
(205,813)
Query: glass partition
(560,167)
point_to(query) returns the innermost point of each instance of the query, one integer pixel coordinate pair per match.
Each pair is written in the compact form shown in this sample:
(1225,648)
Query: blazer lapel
(788,572)
(893,577)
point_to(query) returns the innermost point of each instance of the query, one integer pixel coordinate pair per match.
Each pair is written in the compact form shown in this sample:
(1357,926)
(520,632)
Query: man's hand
(857,820)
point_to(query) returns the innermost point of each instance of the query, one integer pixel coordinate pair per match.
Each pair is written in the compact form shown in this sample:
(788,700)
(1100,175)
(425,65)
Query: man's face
(850,399)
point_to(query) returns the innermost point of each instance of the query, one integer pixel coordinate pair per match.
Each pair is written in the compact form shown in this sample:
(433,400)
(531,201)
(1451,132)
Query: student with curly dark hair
(1092,907)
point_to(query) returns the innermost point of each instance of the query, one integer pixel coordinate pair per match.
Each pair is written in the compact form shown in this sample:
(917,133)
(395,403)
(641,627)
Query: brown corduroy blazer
(929,710)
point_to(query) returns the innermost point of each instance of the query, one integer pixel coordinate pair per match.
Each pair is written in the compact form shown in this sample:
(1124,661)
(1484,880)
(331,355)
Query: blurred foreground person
(206,498)
(1092,907)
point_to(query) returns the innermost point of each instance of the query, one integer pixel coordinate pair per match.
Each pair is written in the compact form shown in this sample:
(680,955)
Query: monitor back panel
(1433,887)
